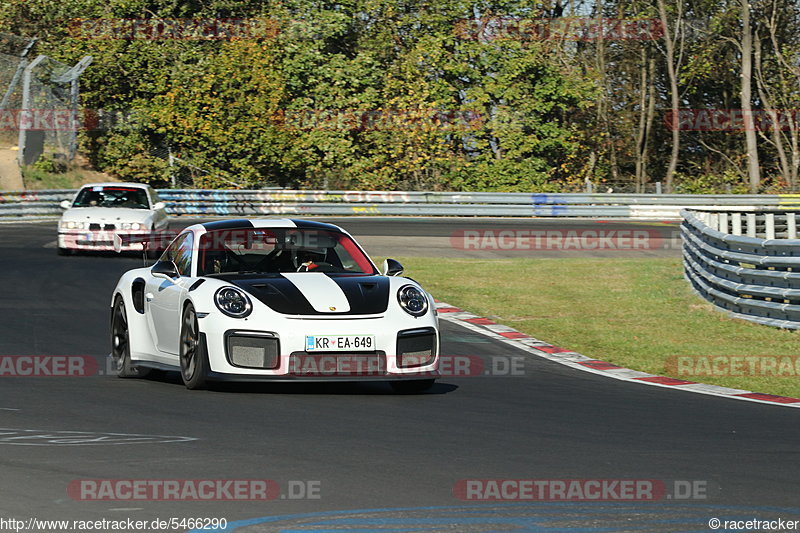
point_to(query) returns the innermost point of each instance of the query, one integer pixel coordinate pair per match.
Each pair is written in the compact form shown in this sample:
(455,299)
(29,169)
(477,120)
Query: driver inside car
(307,260)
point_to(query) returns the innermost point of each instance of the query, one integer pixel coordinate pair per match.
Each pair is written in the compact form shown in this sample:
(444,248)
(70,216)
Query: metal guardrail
(287,202)
(740,262)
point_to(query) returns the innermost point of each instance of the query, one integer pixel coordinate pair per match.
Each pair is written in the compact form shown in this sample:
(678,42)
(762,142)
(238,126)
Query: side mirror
(65,204)
(165,269)
(159,205)
(392,267)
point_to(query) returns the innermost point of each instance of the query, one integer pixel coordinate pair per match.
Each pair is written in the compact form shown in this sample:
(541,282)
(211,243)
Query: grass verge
(637,313)
(78,174)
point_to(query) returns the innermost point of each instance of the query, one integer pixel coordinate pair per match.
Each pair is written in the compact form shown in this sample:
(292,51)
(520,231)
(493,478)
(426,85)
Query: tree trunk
(669,44)
(751,144)
(642,123)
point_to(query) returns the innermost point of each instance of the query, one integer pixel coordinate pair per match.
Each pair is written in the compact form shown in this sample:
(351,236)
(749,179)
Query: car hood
(106,214)
(316,293)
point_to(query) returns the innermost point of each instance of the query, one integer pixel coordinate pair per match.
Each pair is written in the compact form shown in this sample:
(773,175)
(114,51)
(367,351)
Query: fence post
(736,223)
(769,226)
(791,226)
(26,97)
(723,222)
(751,224)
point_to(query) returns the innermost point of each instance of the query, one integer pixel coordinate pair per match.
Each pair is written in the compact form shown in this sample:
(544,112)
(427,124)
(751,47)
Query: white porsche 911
(273,299)
(100,210)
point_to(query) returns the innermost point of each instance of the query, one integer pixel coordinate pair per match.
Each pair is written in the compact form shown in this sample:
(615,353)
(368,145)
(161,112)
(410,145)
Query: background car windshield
(275,250)
(130,197)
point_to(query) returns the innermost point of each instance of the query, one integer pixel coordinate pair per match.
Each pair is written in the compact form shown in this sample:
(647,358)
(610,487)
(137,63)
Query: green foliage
(377,94)
(726,183)
(49,164)
(360,94)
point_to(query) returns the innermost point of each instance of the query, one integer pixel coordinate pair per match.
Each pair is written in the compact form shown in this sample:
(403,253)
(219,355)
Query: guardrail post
(713,220)
(736,223)
(751,224)
(791,226)
(769,225)
(723,222)
(754,278)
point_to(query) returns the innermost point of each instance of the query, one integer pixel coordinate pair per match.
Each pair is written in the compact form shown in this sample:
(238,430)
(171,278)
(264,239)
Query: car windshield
(277,250)
(130,197)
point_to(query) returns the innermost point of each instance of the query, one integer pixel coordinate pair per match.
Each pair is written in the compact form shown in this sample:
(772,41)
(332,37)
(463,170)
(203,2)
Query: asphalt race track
(372,460)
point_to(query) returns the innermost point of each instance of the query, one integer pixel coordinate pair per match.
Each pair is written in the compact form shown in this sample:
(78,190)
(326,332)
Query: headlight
(412,300)
(233,302)
(131,225)
(71,224)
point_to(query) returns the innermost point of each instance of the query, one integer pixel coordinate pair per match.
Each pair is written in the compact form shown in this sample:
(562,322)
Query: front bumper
(97,240)
(393,357)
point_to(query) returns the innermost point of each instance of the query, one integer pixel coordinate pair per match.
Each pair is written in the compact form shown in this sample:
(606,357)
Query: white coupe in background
(100,210)
(273,299)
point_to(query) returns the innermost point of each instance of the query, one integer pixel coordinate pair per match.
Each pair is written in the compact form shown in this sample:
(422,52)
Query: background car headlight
(412,300)
(233,302)
(131,225)
(71,224)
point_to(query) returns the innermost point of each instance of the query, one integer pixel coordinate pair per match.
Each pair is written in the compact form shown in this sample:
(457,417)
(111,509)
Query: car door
(159,215)
(163,296)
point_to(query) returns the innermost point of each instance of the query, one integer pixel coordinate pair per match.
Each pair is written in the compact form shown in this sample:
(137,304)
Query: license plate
(340,343)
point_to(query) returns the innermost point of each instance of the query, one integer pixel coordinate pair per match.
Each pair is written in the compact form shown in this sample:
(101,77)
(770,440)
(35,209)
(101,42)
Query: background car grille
(81,242)
(416,347)
(98,227)
(253,351)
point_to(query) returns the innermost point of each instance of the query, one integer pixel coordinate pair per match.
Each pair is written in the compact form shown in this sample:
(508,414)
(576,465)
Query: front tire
(412,386)
(194,359)
(120,343)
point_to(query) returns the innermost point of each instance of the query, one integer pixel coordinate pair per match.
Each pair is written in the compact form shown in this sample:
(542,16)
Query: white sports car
(100,210)
(273,299)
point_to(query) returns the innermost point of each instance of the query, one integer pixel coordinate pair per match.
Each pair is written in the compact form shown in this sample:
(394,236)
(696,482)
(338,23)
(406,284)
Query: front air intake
(250,350)
(416,347)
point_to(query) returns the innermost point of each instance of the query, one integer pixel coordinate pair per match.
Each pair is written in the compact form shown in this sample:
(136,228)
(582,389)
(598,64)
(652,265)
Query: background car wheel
(120,343)
(65,251)
(417,385)
(194,360)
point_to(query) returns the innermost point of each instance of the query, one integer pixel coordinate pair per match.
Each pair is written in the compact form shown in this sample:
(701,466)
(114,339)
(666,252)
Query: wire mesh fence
(14,51)
(39,102)
(49,122)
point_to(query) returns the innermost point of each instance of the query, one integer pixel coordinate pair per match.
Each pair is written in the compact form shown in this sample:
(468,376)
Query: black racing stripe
(312,224)
(277,292)
(239,223)
(367,295)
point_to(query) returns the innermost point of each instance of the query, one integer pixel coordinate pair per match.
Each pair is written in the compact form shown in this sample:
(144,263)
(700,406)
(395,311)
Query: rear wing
(155,241)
